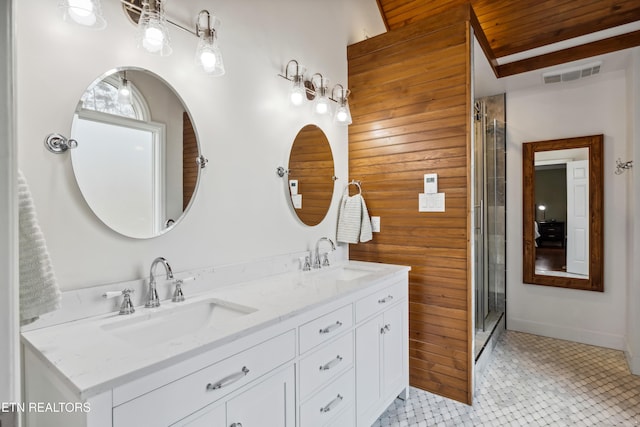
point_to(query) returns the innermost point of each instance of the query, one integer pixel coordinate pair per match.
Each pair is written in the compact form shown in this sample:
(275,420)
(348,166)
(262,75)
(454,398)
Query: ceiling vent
(571,74)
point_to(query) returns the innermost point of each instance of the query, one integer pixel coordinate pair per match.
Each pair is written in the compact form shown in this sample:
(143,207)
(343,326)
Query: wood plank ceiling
(512,26)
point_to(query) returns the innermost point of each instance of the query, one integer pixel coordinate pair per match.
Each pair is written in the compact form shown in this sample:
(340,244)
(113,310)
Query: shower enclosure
(489,195)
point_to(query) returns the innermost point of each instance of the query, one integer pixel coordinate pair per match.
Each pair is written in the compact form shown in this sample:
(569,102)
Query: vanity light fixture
(298,91)
(152,28)
(321,104)
(87,13)
(124,90)
(316,89)
(208,54)
(342,115)
(543,209)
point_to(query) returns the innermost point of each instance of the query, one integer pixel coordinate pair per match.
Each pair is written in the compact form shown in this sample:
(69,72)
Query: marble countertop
(90,358)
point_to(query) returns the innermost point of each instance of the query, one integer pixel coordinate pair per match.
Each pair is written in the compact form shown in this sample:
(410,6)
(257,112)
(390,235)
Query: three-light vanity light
(152,34)
(316,89)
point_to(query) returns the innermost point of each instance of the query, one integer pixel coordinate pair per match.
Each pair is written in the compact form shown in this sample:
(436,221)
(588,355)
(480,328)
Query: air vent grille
(572,74)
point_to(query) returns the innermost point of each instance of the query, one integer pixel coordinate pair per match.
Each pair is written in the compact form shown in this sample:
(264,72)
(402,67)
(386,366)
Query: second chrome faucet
(152,299)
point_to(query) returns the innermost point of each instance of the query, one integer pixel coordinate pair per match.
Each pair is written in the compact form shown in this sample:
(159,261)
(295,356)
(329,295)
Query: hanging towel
(354,224)
(39,292)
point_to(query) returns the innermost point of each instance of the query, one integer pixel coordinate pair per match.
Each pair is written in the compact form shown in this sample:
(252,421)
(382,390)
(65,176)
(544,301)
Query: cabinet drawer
(325,363)
(380,300)
(329,402)
(325,327)
(180,398)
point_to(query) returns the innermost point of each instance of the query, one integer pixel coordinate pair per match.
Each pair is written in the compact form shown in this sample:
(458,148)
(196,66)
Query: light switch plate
(375,224)
(431,202)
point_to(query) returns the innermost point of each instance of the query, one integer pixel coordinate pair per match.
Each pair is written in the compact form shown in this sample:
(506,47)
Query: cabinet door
(393,357)
(368,366)
(269,403)
(209,417)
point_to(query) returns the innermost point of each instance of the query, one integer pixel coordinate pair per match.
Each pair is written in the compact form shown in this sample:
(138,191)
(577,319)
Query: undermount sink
(348,272)
(154,326)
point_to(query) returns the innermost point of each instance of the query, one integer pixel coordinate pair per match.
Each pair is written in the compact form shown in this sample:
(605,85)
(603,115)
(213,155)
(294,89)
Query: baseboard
(633,360)
(584,336)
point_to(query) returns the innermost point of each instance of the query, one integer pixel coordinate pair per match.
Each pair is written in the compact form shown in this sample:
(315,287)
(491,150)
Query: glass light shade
(298,92)
(152,31)
(208,56)
(87,13)
(321,105)
(124,93)
(342,115)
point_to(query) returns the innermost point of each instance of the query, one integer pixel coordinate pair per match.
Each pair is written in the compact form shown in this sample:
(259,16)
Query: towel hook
(58,144)
(356,183)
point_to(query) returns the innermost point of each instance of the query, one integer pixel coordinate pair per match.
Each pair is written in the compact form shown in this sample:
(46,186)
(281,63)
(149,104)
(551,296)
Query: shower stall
(489,200)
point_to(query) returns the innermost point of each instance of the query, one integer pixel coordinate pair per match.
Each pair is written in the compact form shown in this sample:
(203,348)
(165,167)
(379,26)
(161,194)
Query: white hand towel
(354,224)
(39,292)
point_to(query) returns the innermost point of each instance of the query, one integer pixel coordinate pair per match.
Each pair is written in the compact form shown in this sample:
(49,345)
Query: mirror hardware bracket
(202,161)
(58,144)
(282,171)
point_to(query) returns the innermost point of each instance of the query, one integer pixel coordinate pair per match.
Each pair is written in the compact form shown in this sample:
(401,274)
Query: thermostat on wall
(430,183)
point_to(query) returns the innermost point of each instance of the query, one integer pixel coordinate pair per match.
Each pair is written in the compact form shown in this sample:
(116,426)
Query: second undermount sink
(154,326)
(349,272)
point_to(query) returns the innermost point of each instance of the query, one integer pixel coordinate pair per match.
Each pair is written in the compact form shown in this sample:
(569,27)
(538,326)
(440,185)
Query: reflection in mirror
(135,162)
(563,213)
(311,175)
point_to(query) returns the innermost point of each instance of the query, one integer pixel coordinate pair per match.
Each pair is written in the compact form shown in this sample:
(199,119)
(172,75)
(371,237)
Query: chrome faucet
(153,300)
(316,260)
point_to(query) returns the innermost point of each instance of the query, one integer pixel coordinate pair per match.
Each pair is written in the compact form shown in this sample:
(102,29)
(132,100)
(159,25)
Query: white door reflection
(562,213)
(136,150)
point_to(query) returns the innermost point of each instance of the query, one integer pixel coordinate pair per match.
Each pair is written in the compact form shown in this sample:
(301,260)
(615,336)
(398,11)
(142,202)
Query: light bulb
(82,12)
(296,97)
(322,105)
(208,60)
(153,39)
(341,116)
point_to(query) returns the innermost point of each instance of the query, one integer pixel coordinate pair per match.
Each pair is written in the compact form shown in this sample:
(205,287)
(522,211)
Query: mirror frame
(594,143)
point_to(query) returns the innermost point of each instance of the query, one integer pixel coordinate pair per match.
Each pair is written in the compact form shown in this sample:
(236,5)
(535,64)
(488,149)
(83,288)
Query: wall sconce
(317,89)
(342,115)
(152,34)
(321,104)
(87,13)
(152,28)
(124,90)
(208,54)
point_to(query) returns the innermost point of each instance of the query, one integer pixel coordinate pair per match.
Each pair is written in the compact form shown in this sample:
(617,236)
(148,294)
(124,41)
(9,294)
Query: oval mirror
(311,175)
(135,162)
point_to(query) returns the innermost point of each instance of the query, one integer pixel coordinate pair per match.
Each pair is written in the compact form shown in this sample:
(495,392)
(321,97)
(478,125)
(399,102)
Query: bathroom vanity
(322,348)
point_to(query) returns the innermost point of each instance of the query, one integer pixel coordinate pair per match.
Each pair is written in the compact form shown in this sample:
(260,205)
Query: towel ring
(353,182)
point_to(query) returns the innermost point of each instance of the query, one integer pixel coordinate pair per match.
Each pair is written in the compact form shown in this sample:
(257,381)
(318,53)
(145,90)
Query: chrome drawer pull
(229,379)
(332,404)
(385,299)
(385,329)
(331,328)
(331,363)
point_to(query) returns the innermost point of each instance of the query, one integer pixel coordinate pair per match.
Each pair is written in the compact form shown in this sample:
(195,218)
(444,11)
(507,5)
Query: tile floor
(534,381)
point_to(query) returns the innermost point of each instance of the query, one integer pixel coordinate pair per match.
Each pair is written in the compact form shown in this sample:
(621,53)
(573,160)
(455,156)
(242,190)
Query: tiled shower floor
(535,381)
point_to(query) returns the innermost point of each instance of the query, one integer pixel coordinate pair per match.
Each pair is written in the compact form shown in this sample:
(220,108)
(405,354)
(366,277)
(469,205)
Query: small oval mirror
(311,175)
(135,162)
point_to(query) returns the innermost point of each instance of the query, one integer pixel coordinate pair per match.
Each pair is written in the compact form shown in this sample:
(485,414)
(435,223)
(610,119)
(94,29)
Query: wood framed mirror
(562,190)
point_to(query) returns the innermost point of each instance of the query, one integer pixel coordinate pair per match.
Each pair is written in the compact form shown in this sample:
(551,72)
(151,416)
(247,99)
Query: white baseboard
(584,336)
(633,360)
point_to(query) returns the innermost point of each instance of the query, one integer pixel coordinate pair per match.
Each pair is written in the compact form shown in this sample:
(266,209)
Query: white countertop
(92,359)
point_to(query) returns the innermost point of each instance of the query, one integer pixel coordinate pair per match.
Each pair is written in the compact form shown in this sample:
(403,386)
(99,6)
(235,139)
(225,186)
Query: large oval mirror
(311,175)
(135,162)
(562,207)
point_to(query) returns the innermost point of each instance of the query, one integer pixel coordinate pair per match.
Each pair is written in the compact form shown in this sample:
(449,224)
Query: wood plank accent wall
(189,165)
(411,109)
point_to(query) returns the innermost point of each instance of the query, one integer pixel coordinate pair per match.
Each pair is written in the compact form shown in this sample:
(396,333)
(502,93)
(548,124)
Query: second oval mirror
(311,175)
(135,162)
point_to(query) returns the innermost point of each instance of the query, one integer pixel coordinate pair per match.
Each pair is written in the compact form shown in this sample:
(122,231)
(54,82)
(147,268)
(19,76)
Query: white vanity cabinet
(381,351)
(317,353)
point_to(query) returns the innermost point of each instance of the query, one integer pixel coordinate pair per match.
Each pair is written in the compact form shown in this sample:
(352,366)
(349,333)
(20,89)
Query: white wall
(9,359)
(633,288)
(596,105)
(243,121)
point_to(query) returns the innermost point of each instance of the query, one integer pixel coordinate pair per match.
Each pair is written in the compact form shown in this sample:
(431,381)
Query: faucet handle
(178,296)
(325,259)
(307,263)
(127,305)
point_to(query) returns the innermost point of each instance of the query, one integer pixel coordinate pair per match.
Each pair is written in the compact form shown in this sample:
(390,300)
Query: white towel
(39,292)
(354,224)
